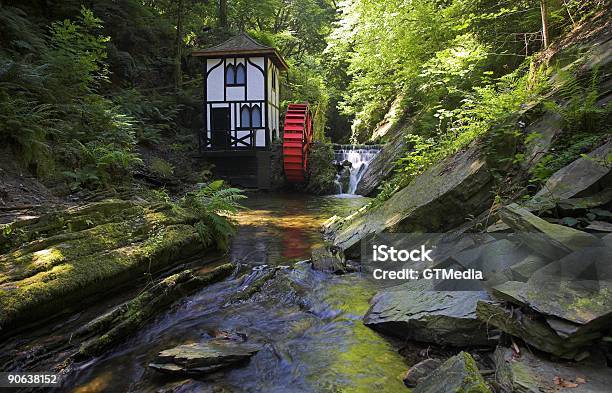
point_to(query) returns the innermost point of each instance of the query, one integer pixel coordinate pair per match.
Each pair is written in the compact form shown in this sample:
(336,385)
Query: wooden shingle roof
(242,44)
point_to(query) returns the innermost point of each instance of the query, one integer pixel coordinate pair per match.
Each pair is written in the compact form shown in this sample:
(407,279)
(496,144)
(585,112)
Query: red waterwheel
(297,138)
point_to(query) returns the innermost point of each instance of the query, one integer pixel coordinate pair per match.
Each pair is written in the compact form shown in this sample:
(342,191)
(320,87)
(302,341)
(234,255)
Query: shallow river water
(308,322)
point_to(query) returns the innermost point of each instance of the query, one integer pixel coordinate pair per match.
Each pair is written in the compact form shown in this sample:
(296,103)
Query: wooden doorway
(220,128)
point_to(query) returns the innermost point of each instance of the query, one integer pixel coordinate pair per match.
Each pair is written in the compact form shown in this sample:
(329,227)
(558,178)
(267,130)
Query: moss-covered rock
(126,319)
(56,261)
(458,374)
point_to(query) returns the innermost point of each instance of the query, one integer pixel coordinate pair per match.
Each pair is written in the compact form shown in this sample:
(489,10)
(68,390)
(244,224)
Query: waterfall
(359,158)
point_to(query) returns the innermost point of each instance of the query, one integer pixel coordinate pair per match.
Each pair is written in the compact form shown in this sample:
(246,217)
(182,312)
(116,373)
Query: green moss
(54,271)
(132,315)
(473,381)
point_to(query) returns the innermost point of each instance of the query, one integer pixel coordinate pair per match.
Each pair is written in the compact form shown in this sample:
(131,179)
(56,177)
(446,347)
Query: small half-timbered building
(241,116)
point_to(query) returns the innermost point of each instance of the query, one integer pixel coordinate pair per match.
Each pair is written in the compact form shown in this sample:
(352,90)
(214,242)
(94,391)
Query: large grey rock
(201,358)
(585,173)
(492,258)
(528,373)
(533,330)
(550,240)
(440,317)
(577,288)
(562,308)
(458,374)
(438,199)
(574,206)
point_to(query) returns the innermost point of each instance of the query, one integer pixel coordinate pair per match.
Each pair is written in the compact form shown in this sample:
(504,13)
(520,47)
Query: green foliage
(53,114)
(321,172)
(306,84)
(584,123)
(161,167)
(76,56)
(212,204)
(99,165)
(154,116)
(580,112)
(432,52)
(488,110)
(155,195)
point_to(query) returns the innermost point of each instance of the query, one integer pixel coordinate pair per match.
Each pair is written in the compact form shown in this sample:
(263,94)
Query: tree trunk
(178,74)
(544,13)
(223,14)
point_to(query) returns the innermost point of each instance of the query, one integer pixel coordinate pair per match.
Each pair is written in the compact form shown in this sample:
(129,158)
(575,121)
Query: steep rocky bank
(545,252)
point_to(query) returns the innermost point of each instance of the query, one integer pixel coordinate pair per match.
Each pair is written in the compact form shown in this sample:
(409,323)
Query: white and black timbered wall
(241,103)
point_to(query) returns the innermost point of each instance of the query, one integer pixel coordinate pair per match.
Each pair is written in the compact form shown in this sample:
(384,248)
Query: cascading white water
(360,158)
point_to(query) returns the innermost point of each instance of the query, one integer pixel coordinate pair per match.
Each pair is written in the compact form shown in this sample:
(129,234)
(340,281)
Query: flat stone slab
(550,240)
(534,331)
(571,180)
(202,358)
(577,288)
(527,373)
(441,317)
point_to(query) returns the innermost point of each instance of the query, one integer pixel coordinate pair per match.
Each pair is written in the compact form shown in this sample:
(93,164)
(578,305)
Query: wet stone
(440,317)
(527,373)
(202,358)
(458,374)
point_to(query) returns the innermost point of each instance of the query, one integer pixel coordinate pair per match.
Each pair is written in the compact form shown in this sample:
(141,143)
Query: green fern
(213,204)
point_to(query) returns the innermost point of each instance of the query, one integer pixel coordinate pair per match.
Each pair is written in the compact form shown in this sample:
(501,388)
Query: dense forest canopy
(82,83)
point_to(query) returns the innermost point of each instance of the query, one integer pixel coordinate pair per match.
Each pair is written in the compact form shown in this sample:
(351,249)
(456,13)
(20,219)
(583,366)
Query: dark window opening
(230,74)
(273,79)
(256,116)
(235,76)
(240,75)
(250,117)
(245,117)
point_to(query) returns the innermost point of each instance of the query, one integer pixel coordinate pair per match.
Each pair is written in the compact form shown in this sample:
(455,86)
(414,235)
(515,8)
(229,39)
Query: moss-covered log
(58,260)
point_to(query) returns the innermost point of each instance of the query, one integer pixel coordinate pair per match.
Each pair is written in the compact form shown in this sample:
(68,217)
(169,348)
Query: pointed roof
(242,44)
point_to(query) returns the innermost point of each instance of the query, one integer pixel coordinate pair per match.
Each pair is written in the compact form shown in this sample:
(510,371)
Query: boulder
(440,317)
(576,288)
(582,175)
(527,373)
(437,200)
(533,330)
(458,374)
(420,371)
(550,240)
(574,206)
(492,258)
(202,358)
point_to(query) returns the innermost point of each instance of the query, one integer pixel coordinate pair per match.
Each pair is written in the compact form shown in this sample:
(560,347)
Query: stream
(308,322)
